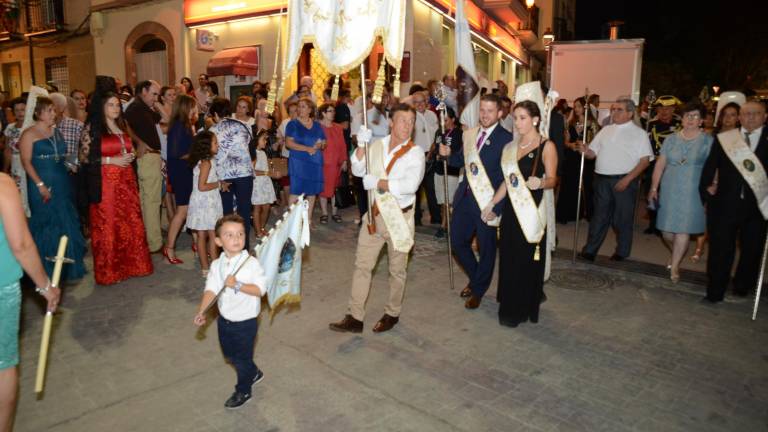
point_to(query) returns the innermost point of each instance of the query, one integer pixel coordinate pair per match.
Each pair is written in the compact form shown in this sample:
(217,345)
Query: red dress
(334,155)
(118,241)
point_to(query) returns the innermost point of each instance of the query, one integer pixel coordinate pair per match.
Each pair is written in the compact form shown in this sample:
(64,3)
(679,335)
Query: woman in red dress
(119,244)
(334,161)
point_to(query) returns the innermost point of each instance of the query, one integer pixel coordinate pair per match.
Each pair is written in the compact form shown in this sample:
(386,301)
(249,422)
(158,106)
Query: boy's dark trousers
(237,340)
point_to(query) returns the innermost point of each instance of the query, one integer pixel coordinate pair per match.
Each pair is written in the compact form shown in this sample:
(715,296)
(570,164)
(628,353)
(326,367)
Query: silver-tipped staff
(587,109)
(760,279)
(42,361)
(442,109)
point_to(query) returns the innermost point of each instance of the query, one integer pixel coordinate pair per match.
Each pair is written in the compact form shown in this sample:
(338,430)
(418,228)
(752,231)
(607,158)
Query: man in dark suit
(733,209)
(489,139)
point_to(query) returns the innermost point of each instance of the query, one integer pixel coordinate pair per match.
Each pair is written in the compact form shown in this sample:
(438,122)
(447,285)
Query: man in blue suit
(481,175)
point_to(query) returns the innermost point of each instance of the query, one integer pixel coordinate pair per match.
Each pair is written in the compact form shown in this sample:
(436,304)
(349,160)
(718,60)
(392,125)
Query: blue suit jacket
(491,157)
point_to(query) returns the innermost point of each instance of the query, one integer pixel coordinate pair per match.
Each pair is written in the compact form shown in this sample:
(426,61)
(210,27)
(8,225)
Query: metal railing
(44,15)
(9,17)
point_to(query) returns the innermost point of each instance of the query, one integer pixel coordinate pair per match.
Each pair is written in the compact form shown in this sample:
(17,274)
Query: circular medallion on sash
(530,155)
(513,180)
(473,169)
(749,165)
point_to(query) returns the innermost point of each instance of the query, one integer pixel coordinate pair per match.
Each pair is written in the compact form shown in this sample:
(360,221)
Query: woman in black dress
(521,262)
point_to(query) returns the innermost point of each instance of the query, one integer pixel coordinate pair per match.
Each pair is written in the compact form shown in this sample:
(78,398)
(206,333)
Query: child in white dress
(205,202)
(263,191)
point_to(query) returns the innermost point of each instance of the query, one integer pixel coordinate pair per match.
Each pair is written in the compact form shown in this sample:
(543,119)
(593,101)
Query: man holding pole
(396,168)
(481,159)
(739,203)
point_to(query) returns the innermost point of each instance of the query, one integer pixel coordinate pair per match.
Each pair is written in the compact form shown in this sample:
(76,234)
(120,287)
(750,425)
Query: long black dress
(521,278)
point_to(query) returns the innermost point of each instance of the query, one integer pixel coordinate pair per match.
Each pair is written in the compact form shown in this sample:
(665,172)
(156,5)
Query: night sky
(689,44)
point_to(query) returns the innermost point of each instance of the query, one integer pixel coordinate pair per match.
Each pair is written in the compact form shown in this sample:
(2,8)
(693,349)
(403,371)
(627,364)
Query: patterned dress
(204,207)
(12,135)
(263,191)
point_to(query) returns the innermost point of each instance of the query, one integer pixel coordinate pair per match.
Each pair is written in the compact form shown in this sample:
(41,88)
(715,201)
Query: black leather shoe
(385,323)
(348,324)
(466,292)
(586,256)
(237,400)
(617,258)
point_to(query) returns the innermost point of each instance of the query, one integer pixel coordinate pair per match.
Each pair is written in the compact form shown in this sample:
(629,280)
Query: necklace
(52,139)
(523,147)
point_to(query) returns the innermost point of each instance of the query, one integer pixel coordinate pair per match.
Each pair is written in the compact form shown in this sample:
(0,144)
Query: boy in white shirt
(241,277)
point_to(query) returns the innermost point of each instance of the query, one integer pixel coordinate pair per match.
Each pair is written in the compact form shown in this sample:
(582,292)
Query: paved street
(613,351)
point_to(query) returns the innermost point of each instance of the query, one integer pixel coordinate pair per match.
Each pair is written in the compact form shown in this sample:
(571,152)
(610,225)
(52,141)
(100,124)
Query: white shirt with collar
(424,129)
(754,137)
(378,123)
(488,133)
(406,175)
(237,306)
(619,148)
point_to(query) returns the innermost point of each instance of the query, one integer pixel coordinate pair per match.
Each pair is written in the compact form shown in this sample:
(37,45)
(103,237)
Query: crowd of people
(108,164)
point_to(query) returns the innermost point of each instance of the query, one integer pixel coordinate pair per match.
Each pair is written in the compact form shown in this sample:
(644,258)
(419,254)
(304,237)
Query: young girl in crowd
(263,192)
(205,202)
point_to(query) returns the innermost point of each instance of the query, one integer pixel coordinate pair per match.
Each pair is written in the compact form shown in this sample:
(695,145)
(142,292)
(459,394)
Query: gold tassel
(537,254)
(272,96)
(280,89)
(396,84)
(378,90)
(335,89)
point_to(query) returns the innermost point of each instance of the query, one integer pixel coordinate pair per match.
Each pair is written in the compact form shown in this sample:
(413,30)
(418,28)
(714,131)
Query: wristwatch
(237,286)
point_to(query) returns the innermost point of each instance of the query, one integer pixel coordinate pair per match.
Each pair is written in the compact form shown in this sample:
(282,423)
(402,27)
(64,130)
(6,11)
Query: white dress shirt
(378,123)
(619,148)
(240,306)
(406,174)
(754,137)
(488,133)
(424,129)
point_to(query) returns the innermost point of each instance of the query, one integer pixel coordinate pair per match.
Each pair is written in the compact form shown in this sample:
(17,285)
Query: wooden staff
(587,109)
(47,324)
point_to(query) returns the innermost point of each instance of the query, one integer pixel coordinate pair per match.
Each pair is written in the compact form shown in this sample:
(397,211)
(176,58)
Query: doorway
(12,79)
(152,61)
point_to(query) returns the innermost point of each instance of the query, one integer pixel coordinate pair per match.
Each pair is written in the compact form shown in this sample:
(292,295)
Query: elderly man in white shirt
(424,136)
(404,164)
(622,152)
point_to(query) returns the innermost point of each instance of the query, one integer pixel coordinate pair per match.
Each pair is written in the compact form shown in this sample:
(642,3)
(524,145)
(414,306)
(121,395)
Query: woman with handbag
(334,161)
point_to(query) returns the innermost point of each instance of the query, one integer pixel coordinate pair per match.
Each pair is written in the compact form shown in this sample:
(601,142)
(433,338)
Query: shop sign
(204,39)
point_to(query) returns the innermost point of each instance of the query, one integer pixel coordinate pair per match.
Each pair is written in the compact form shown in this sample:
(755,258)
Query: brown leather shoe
(348,324)
(472,302)
(466,292)
(385,323)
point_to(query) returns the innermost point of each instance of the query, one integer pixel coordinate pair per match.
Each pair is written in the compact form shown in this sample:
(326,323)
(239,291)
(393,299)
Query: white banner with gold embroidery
(474,170)
(400,229)
(344,31)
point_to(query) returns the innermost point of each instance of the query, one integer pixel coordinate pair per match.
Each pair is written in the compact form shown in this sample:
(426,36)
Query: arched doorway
(149,54)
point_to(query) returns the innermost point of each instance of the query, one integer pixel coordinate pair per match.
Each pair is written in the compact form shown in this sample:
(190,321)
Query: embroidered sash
(474,170)
(748,165)
(401,230)
(532,219)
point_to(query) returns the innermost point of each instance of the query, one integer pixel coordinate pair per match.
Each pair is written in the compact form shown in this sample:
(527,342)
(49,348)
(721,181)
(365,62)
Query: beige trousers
(368,249)
(150,191)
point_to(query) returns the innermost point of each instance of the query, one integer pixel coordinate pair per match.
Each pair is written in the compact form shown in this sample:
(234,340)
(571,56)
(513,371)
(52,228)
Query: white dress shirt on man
(424,130)
(619,147)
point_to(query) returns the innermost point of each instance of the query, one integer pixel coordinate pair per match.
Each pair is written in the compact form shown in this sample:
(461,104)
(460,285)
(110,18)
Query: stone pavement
(613,352)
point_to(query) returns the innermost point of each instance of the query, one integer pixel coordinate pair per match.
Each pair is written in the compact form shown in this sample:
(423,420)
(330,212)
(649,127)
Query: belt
(151,150)
(375,209)
(612,176)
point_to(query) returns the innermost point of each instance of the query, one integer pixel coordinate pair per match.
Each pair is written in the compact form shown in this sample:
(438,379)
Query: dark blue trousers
(466,222)
(240,191)
(237,340)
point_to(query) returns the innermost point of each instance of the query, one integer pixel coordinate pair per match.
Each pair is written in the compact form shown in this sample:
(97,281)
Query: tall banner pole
(587,109)
(371,225)
(760,279)
(442,109)
(42,361)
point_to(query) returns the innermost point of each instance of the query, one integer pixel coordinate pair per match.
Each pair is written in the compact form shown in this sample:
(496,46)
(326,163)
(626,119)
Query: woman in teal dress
(43,152)
(678,169)
(17,252)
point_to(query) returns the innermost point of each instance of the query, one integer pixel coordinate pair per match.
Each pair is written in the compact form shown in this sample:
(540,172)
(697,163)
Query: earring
(535,123)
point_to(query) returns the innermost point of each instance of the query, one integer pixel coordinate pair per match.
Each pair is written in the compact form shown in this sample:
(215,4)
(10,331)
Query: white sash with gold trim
(401,230)
(748,165)
(474,170)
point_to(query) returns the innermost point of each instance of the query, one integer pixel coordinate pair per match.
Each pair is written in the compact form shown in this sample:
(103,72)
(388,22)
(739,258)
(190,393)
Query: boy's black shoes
(237,400)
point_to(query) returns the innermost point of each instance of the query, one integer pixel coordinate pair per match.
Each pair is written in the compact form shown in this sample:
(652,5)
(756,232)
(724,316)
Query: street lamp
(529,4)
(548,37)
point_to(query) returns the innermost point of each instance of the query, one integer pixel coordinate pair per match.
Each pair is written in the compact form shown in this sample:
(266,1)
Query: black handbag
(345,194)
